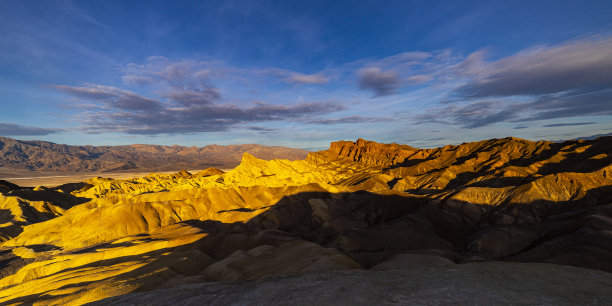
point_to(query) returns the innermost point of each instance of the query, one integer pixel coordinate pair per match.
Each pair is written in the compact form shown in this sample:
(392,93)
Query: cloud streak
(575,65)
(349,119)
(290,77)
(571,79)
(113,97)
(567,80)
(473,115)
(9,129)
(186,101)
(483,113)
(567,124)
(261,130)
(307,78)
(127,112)
(382,83)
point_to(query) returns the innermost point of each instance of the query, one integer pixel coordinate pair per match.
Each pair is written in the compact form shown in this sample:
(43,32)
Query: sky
(304,73)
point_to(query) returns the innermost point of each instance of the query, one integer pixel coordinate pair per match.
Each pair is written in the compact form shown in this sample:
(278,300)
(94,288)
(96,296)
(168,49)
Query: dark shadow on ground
(371,228)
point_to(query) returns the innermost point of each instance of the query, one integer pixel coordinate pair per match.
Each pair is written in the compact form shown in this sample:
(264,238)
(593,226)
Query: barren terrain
(52,179)
(465,212)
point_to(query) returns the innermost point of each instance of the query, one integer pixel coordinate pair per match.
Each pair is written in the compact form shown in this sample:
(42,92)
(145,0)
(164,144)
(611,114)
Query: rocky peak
(363,151)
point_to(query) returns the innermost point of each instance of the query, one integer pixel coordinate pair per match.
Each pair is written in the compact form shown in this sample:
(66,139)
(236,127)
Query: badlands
(505,221)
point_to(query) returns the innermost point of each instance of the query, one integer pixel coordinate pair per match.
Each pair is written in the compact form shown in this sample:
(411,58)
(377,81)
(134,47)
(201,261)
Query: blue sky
(304,73)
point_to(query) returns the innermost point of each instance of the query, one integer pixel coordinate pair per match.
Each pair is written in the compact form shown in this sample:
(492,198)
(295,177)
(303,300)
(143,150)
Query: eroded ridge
(357,205)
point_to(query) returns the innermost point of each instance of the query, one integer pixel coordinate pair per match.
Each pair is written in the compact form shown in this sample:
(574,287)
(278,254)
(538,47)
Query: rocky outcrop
(363,151)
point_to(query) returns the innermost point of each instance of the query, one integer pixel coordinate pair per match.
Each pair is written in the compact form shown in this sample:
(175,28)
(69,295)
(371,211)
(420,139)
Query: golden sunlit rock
(357,205)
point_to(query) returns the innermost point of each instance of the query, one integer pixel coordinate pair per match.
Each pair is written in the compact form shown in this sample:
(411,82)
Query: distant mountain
(51,157)
(593,137)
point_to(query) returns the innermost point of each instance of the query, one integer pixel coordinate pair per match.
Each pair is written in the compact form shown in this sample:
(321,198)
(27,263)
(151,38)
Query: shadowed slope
(465,284)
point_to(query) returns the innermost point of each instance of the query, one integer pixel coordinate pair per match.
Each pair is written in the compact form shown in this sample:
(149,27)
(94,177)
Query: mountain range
(19,155)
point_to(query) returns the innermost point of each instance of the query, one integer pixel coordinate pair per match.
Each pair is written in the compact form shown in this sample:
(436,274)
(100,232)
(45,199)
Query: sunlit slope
(21,207)
(355,205)
(105,270)
(250,172)
(107,219)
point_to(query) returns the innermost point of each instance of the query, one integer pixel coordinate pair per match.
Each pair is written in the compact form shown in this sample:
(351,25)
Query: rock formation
(366,209)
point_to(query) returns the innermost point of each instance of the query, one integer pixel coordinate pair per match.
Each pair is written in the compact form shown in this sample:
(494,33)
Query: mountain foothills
(18,155)
(498,220)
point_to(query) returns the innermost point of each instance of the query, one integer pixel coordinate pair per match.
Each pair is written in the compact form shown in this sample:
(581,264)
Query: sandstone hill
(51,157)
(414,224)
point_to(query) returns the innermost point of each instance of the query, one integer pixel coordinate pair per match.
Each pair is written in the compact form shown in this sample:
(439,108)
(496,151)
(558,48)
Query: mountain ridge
(47,156)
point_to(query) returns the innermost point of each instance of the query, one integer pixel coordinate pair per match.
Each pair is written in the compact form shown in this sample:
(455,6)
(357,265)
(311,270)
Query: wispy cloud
(349,119)
(569,104)
(127,112)
(35,39)
(399,73)
(9,129)
(380,82)
(307,78)
(571,79)
(288,76)
(260,129)
(113,97)
(196,75)
(542,83)
(184,100)
(482,113)
(567,124)
(473,115)
(574,65)
(419,79)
